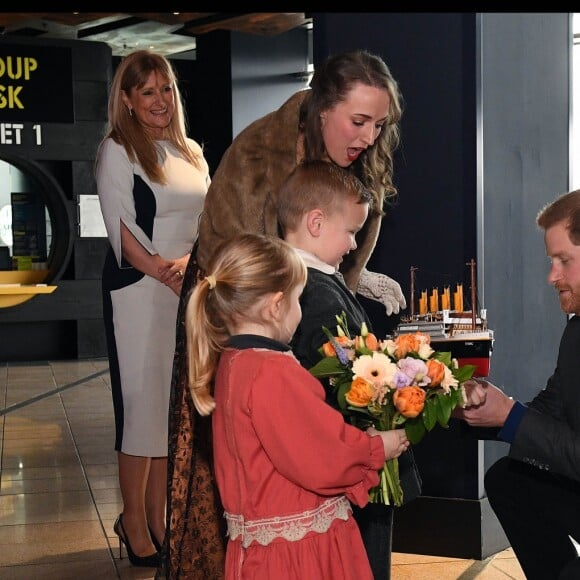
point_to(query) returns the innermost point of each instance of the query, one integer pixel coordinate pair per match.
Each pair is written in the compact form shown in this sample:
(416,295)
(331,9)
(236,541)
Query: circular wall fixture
(43,189)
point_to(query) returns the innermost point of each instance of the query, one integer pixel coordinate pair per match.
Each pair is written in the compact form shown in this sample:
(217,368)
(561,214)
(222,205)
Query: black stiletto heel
(151,561)
(157,545)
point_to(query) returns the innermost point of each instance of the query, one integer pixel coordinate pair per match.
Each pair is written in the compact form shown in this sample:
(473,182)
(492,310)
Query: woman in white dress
(151,180)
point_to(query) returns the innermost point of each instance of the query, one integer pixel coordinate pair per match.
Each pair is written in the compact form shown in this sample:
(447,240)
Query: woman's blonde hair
(124,127)
(242,271)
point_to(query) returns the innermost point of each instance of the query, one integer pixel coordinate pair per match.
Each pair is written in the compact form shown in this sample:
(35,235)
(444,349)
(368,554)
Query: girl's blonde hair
(124,128)
(242,271)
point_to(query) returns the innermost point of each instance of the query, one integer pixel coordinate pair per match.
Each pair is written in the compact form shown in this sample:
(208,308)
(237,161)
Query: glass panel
(25,224)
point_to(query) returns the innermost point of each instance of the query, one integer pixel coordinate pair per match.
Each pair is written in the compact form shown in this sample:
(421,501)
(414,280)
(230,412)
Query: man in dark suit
(535,490)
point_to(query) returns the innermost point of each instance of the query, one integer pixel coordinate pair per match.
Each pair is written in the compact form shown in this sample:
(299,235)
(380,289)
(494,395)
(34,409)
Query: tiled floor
(58,484)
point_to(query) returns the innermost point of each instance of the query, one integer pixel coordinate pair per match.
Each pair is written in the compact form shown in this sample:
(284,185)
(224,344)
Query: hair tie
(211,281)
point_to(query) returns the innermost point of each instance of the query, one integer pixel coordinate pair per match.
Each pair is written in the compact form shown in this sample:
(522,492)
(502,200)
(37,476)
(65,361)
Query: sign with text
(28,226)
(36,84)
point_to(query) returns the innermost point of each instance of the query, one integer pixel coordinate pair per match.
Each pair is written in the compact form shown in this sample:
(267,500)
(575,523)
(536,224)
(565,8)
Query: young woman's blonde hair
(123,126)
(241,272)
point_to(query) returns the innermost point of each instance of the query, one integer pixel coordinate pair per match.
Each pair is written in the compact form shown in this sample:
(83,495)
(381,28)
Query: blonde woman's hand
(171,273)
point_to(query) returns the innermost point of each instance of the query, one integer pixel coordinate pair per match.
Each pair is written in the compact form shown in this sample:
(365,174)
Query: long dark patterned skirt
(195,538)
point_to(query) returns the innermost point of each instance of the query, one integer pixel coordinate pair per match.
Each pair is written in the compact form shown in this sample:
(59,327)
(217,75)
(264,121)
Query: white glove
(383,289)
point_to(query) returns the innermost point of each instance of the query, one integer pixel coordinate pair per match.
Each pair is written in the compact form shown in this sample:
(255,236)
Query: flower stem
(389,490)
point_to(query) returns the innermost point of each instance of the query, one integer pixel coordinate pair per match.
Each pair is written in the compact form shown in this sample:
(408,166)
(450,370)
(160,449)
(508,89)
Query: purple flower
(341,353)
(415,369)
(401,380)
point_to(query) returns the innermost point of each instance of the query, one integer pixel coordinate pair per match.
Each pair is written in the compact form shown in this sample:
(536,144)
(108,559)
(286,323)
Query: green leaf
(399,420)
(342,390)
(360,411)
(463,373)
(444,357)
(445,405)
(457,397)
(329,334)
(430,413)
(415,430)
(364,350)
(327,367)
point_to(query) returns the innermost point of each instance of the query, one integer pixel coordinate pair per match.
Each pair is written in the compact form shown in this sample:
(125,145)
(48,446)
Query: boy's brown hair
(316,184)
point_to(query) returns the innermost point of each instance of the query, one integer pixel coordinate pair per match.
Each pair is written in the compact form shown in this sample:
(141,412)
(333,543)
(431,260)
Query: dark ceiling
(169,33)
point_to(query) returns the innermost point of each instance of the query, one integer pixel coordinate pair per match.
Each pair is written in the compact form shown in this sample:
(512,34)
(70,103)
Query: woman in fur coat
(350,115)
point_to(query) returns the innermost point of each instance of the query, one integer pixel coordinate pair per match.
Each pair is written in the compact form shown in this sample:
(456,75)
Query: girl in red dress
(287,466)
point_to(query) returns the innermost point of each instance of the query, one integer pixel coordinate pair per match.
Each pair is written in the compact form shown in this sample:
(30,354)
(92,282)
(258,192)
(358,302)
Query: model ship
(451,327)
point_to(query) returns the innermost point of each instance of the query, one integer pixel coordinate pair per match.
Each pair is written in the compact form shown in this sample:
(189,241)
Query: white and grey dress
(140,312)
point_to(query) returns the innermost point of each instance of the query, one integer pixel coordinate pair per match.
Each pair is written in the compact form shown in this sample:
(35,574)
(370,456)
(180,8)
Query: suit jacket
(548,435)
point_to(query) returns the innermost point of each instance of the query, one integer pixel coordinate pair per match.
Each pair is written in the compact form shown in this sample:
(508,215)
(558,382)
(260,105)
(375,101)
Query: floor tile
(37,508)
(46,543)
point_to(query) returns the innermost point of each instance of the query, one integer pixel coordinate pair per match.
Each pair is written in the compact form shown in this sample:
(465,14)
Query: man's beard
(570,303)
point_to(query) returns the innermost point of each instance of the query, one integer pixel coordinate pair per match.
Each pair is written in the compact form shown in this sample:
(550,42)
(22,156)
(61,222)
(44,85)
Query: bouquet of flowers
(391,384)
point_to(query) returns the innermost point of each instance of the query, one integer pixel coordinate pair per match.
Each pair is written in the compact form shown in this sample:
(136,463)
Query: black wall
(206,85)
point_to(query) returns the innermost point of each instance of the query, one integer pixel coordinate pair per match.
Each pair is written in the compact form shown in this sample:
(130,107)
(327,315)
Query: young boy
(321,207)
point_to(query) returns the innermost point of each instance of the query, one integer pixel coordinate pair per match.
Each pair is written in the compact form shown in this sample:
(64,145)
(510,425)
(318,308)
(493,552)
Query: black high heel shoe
(156,543)
(151,561)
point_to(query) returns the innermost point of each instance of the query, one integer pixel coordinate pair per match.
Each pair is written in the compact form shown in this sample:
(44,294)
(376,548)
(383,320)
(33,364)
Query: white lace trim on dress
(291,528)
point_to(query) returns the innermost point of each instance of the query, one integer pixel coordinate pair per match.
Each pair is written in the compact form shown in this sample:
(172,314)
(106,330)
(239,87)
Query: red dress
(285,463)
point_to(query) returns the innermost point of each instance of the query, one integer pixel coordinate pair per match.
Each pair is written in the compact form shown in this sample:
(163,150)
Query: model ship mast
(413,270)
(471,264)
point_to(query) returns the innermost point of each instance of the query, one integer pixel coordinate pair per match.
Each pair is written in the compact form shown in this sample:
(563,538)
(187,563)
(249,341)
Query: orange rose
(360,393)
(435,371)
(328,349)
(409,401)
(405,344)
(370,341)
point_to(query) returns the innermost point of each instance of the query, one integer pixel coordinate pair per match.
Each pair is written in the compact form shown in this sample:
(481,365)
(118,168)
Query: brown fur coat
(242,194)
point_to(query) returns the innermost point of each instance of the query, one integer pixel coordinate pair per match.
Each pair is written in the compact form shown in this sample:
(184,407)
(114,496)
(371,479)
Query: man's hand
(492,412)
(475,392)
(383,289)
